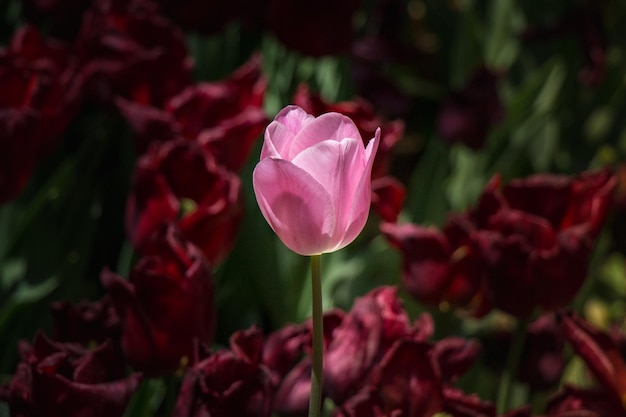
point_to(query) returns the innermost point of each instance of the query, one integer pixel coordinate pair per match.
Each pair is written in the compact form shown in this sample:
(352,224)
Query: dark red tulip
(229,382)
(40,89)
(224,117)
(287,352)
(181,183)
(603,357)
(374,323)
(65,380)
(120,45)
(86,322)
(388,195)
(439,266)
(166,306)
(524,245)
(583,402)
(407,383)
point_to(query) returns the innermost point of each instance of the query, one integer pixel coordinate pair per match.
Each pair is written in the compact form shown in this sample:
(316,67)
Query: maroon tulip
(166,306)
(375,322)
(523,246)
(467,115)
(66,380)
(388,195)
(229,382)
(122,42)
(366,120)
(407,383)
(602,356)
(287,352)
(225,117)
(86,322)
(583,402)
(39,93)
(182,183)
(439,267)
(404,384)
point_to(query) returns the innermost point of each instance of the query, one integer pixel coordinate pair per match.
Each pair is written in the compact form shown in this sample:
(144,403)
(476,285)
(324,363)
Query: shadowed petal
(296,206)
(335,165)
(362,197)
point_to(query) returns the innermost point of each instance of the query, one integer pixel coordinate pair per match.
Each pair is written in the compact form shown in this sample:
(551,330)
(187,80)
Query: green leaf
(146,399)
(426,200)
(501,39)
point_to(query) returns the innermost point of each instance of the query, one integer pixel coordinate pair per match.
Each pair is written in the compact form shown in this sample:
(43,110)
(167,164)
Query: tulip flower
(313,182)
(313,185)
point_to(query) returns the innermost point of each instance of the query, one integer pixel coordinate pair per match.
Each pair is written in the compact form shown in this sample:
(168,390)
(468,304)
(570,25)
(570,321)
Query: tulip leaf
(426,198)
(613,275)
(465,56)
(467,177)
(501,40)
(146,399)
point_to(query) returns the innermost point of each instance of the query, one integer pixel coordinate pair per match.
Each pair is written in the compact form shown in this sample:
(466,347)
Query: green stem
(315,403)
(512,365)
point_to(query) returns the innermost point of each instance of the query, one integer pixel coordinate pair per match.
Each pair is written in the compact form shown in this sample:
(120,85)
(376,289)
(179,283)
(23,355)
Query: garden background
(128,224)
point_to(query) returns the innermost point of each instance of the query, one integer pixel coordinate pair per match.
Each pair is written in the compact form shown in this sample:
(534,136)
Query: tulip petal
(296,206)
(362,196)
(280,133)
(337,167)
(328,126)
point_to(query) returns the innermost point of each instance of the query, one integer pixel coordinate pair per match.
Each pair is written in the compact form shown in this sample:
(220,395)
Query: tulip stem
(511,367)
(315,403)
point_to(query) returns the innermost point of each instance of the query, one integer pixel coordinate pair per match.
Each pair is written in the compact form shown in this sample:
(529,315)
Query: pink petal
(296,206)
(278,138)
(293,118)
(362,197)
(328,126)
(337,166)
(280,134)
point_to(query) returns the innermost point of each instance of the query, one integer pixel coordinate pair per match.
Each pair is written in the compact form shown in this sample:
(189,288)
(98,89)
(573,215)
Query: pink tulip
(313,182)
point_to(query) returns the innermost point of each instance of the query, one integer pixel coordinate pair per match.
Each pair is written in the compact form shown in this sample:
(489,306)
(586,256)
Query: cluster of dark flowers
(523,248)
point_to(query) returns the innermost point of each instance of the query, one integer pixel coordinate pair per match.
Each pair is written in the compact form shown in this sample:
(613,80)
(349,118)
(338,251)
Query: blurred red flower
(232,382)
(182,183)
(388,196)
(368,350)
(603,358)
(128,49)
(523,246)
(66,380)
(224,117)
(86,322)
(40,89)
(166,306)
(413,379)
